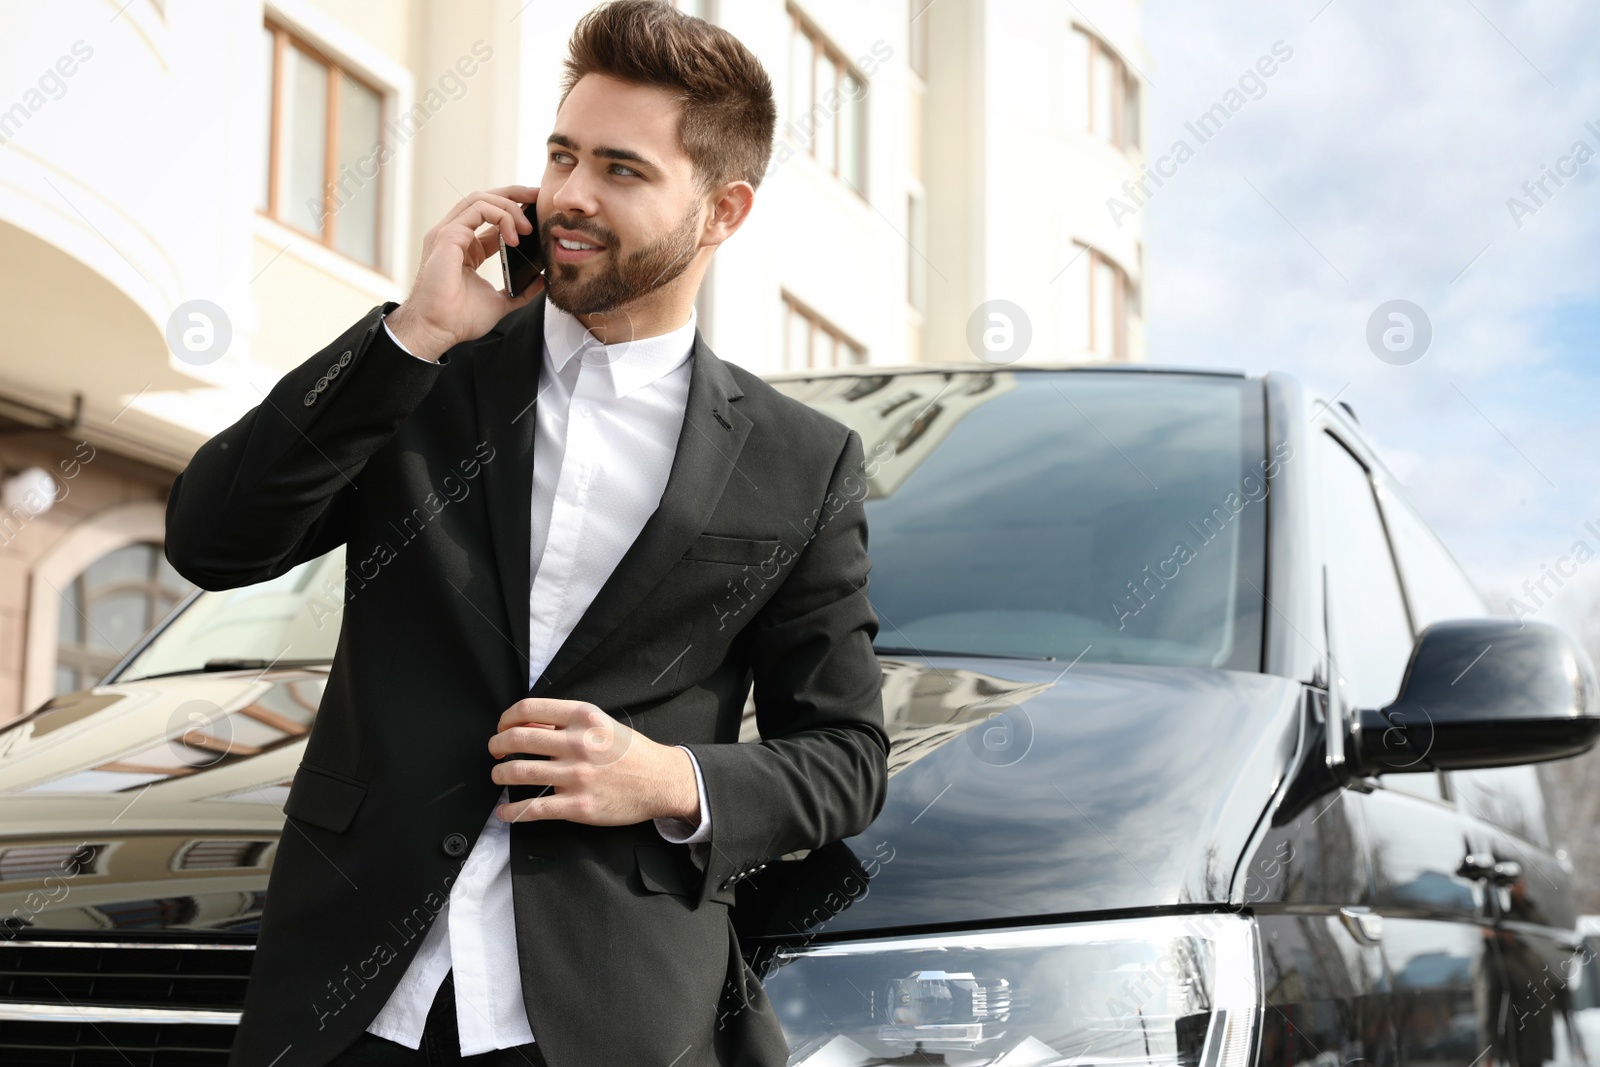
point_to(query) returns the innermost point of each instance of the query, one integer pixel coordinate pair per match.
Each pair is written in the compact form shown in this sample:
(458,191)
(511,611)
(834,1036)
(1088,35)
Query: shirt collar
(627,365)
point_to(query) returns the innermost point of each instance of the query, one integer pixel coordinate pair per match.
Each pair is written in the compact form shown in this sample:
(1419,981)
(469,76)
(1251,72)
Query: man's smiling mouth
(572,247)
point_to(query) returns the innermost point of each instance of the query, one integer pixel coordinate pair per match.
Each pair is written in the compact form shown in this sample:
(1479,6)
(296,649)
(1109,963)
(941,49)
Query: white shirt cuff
(677,830)
(400,346)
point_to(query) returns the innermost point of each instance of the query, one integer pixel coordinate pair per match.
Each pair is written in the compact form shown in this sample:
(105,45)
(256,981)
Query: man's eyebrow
(604,151)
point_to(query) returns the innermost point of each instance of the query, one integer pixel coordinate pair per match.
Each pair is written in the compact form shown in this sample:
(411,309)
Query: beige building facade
(195,196)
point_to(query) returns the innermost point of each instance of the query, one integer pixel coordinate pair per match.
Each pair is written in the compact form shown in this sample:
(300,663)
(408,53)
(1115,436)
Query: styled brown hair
(728,114)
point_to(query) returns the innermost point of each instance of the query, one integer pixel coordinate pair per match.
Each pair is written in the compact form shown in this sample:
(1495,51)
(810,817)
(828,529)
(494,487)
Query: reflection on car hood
(1021,790)
(1017,789)
(150,806)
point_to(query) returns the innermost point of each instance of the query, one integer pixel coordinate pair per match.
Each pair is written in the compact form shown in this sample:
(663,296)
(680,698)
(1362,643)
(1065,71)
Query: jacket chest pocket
(742,551)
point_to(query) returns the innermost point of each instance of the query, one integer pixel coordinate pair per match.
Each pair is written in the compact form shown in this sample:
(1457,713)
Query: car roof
(969,367)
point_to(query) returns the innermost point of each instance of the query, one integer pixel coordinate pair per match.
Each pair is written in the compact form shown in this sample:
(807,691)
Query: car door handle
(1483,867)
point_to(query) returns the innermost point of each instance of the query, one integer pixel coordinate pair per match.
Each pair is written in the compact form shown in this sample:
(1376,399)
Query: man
(518,826)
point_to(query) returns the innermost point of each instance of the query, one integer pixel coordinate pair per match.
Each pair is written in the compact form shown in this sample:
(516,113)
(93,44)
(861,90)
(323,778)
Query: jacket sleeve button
(311,398)
(455,845)
(344,359)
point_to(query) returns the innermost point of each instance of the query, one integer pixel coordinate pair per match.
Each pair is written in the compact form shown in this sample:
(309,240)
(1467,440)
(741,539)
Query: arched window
(1101,92)
(1098,301)
(108,606)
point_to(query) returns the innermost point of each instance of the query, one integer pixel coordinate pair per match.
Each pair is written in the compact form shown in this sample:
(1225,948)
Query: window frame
(793,307)
(916,240)
(1377,485)
(823,48)
(1127,91)
(1124,303)
(918,38)
(284,38)
(91,664)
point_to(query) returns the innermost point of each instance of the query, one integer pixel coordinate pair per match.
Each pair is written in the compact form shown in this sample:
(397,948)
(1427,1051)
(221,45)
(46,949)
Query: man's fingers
(535,740)
(530,293)
(463,228)
(551,772)
(483,246)
(509,195)
(555,806)
(549,711)
(508,198)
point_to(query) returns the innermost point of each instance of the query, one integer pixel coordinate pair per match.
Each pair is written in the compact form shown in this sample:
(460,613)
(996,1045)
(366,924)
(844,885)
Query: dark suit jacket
(753,569)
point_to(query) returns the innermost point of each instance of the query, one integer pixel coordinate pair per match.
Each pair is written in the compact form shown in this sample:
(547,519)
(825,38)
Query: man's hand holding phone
(450,301)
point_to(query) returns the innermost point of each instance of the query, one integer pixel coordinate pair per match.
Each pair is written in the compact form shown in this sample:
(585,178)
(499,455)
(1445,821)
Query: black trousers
(441,1044)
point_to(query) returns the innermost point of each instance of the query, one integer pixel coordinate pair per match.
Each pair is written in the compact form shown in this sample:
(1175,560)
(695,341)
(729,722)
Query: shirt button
(583,411)
(455,845)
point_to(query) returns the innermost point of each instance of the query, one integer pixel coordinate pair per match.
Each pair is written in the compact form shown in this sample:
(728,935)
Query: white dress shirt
(606,429)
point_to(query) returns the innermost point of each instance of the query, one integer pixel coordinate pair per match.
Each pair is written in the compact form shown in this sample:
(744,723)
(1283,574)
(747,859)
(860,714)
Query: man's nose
(576,194)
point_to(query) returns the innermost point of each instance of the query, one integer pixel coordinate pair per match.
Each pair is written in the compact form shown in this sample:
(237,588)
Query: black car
(1206,753)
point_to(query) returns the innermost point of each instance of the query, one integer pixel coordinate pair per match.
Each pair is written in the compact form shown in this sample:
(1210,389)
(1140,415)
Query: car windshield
(1096,516)
(1112,517)
(291,619)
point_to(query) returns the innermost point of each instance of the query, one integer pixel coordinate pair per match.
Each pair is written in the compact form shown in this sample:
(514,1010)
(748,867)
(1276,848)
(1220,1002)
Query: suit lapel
(506,380)
(709,443)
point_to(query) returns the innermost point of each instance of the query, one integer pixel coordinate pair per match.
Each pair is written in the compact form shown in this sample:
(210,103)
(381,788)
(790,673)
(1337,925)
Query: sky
(1378,163)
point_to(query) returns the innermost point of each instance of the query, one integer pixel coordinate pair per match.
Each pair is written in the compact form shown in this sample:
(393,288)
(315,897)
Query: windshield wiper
(231,663)
(890,650)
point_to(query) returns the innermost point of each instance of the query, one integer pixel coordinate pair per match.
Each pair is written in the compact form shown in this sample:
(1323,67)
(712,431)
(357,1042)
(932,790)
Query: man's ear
(731,204)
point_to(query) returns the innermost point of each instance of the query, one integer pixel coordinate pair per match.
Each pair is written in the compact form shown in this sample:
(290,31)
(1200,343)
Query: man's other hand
(450,301)
(603,772)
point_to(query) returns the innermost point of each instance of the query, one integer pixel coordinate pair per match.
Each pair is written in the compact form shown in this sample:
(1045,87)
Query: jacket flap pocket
(667,870)
(324,799)
(714,548)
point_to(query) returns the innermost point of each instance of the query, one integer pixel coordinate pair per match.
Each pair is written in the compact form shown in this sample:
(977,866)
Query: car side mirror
(1487,692)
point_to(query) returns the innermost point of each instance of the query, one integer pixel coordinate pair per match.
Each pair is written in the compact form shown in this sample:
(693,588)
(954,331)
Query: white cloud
(1390,142)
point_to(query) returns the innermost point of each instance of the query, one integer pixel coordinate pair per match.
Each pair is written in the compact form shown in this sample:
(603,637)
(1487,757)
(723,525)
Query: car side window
(1436,586)
(1508,797)
(1371,633)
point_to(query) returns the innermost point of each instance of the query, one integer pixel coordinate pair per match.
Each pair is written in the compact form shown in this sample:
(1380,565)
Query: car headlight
(1172,991)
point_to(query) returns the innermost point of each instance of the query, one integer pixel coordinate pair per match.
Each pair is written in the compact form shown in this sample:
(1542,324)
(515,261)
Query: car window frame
(111,676)
(1379,481)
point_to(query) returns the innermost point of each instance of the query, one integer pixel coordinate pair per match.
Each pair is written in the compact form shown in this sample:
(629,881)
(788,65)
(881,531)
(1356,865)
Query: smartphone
(521,263)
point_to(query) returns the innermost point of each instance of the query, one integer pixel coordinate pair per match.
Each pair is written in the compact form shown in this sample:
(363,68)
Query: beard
(618,281)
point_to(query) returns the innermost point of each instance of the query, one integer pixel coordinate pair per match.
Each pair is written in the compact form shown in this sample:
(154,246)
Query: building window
(916,241)
(700,9)
(1099,300)
(324,154)
(108,607)
(1101,95)
(917,39)
(810,341)
(827,102)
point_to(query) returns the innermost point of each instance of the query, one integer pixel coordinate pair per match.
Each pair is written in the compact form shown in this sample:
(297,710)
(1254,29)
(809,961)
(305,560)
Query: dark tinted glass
(1114,516)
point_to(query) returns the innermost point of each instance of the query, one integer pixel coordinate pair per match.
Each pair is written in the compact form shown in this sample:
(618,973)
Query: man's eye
(630,170)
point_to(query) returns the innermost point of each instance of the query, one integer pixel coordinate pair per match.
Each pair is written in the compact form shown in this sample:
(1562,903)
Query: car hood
(152,806)
(1018,789)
